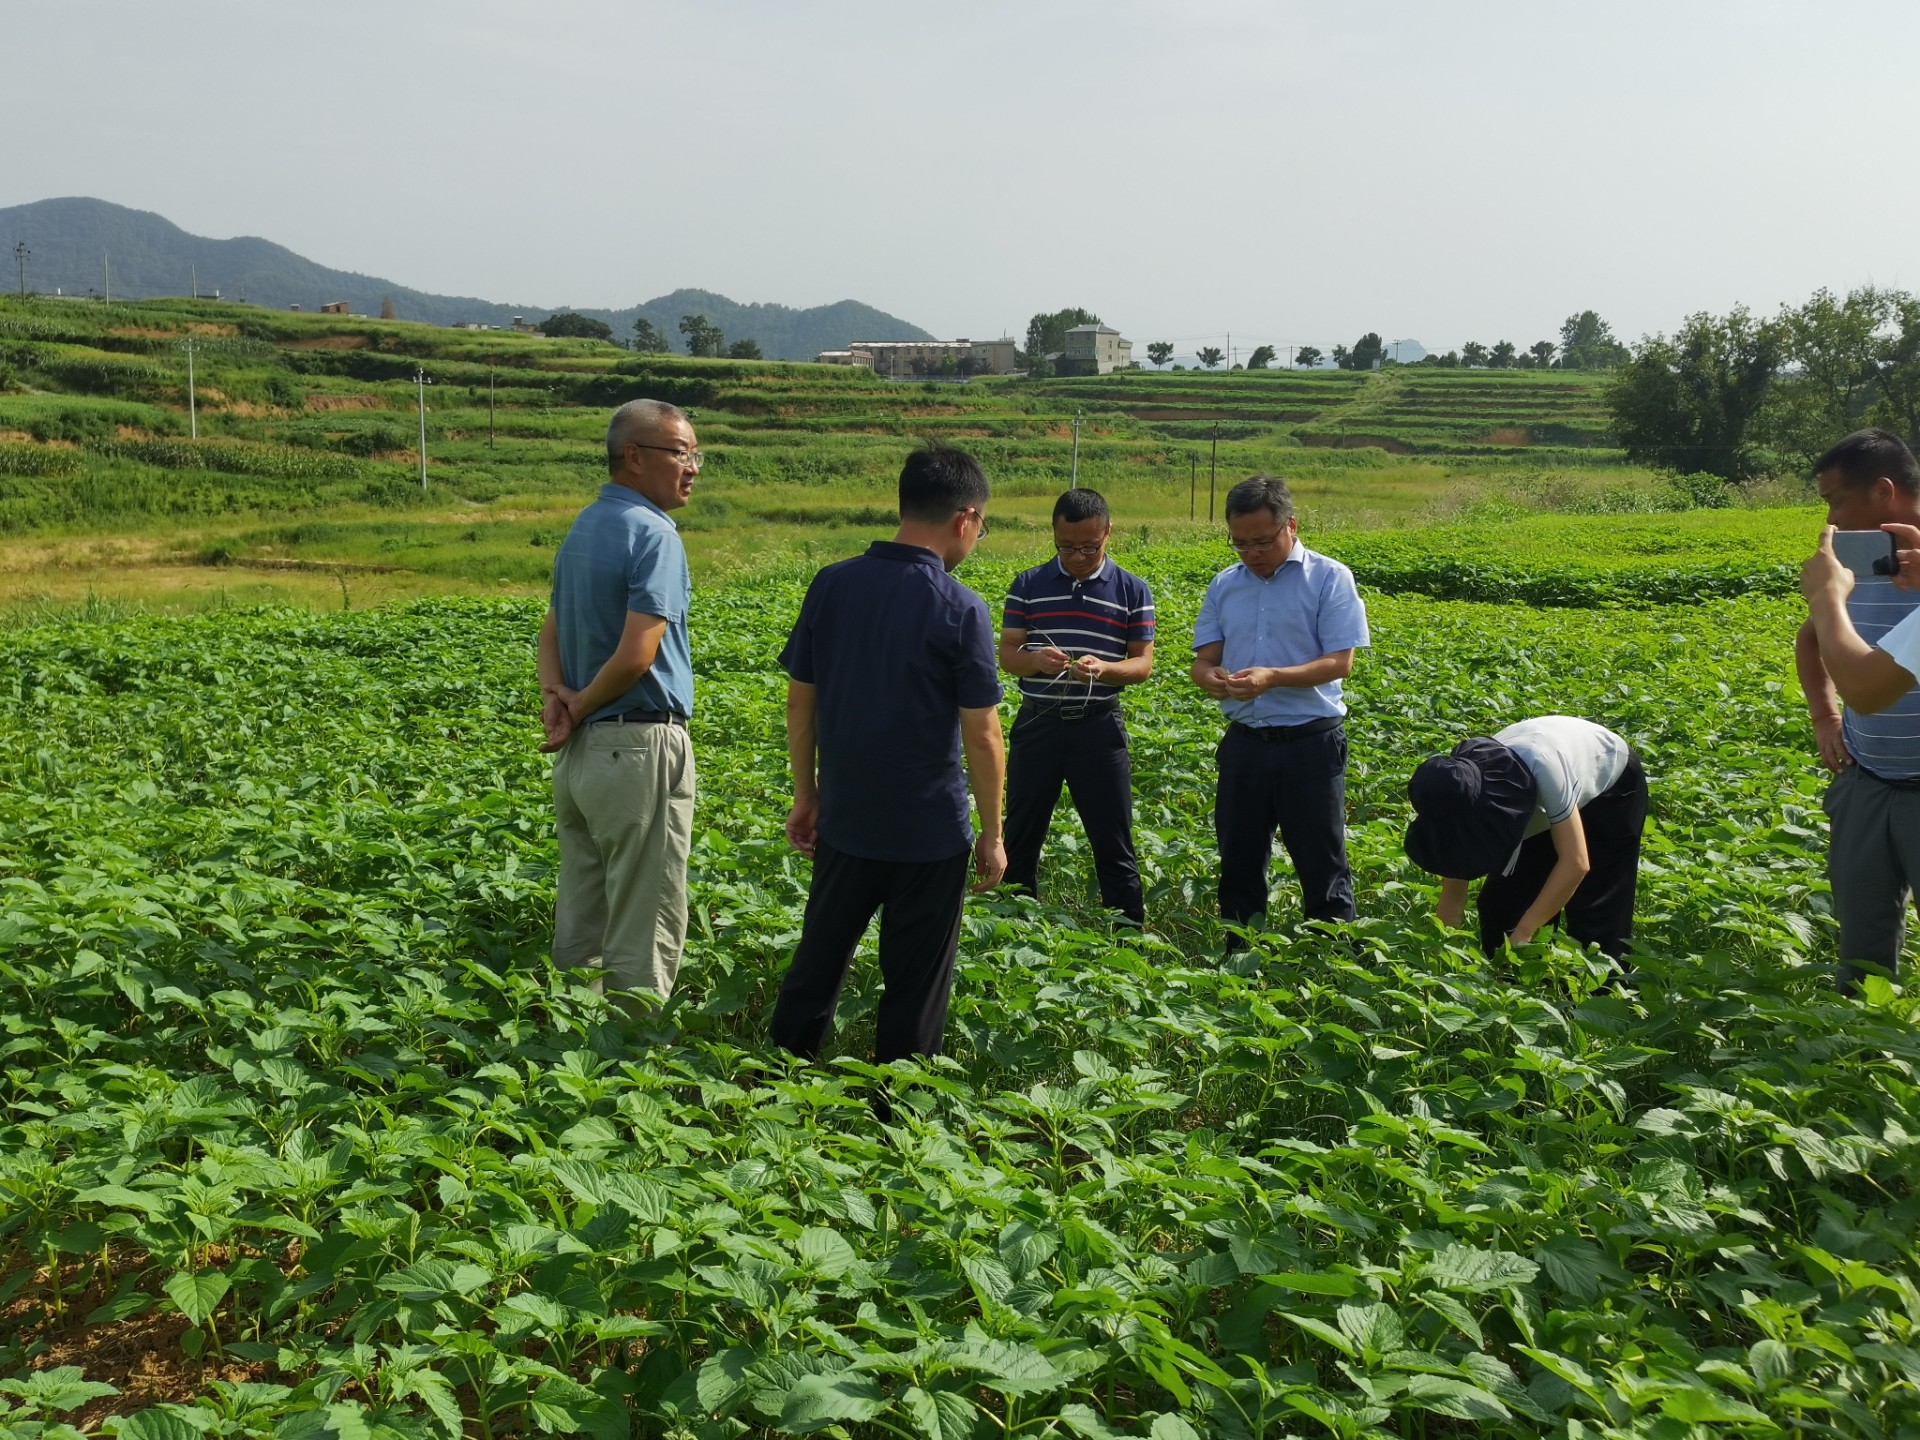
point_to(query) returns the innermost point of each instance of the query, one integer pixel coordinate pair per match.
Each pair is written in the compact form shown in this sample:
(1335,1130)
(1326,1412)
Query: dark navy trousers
(1297,784)
(1087,754)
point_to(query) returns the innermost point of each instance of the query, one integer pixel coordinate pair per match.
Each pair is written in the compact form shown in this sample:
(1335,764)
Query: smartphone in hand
(1866,552)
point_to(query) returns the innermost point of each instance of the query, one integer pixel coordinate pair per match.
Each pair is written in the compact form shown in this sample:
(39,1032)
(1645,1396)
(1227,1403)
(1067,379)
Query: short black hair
(938,481)
(1080,504)
(1262,492)
(1864,456)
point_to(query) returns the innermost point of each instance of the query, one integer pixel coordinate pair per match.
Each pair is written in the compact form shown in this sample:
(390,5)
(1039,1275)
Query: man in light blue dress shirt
(1273,643)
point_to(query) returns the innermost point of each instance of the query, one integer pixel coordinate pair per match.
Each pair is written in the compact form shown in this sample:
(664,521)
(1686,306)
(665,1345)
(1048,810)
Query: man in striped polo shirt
(1868,480)
(1076,631)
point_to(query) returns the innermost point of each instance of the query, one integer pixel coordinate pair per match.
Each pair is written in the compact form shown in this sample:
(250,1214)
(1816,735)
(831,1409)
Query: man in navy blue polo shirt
(1275,638)
(1076,631)
(616,684)
(891,676)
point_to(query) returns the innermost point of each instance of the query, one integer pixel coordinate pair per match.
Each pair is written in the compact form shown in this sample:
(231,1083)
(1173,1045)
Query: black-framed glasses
(1246,546)
(980,515)
(693,458)
(1089,551)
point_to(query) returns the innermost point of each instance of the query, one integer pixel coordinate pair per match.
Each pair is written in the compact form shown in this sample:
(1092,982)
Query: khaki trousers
(623,801)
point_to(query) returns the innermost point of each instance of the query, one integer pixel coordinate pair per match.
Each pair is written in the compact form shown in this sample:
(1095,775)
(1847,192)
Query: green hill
(74,241)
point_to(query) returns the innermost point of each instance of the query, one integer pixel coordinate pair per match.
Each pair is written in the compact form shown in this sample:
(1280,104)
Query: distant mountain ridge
(151,256)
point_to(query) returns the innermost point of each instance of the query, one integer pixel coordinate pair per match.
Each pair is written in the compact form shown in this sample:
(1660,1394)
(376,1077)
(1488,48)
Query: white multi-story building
(1095,350)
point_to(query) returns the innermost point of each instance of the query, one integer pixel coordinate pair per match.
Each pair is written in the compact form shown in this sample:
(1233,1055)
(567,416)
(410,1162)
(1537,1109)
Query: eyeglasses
(693,459)
(980,515)
(1087,550)
(1244,546)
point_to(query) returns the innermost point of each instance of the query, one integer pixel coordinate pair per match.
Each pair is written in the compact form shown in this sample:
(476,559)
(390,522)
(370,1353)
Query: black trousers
(1601,910)
(1299,785)
(919,907)
(1087,754)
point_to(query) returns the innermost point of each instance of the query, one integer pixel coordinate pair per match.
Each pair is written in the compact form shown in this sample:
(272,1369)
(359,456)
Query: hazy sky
(1287,172)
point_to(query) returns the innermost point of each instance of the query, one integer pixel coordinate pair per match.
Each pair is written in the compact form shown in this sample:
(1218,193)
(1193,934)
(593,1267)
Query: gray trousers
(1872,864)
(623,804)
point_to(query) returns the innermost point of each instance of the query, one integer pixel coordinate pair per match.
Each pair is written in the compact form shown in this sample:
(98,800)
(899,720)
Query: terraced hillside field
(306,461)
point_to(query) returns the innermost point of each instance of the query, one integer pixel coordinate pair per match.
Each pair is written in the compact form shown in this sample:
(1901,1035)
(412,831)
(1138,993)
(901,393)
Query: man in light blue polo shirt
(616,688)
(1274,640)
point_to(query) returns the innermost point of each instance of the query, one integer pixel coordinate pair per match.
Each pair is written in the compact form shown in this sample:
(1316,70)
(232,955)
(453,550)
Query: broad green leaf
(1700,1406)
(434,1391)
(1321,1330)
(1373,1327)
(1171,1427)
(1009,1368)
(1453,1310)
(1464,1267)
(1086,1423)
(1323,1283)
(434,1279)
(722,1379)
(1447,1396)
(1578,1267)
(825,1252)
(158,1424)
(542,1310)
(196,1295)
(816,1401)
(562,1407)
(949,1415)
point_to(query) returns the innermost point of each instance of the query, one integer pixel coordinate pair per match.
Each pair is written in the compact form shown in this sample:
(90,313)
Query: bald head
(637,421)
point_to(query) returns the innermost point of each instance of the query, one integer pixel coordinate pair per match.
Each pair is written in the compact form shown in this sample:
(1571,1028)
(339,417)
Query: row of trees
(1738,396)
(1586,343)
(703,336)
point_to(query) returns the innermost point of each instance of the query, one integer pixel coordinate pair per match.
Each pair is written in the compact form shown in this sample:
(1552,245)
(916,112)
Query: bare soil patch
(139,1356)
(317,401)
(327,342)
(1508,435)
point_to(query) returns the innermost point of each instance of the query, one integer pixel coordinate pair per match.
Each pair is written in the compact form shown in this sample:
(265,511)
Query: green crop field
(304,481)
(304,1137)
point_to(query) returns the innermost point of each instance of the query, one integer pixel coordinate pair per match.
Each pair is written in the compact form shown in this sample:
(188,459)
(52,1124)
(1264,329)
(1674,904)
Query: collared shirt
(895,648)
(1100,615)
(1307,608)
(1574,762)
(623,556)
(1886,744)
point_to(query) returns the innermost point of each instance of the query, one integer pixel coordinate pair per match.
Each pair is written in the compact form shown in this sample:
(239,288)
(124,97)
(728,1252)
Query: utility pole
(1073,480)
(489,407)
(194,272)
(421,382)
(22,254)
(1229,349)
(1193,481)
(106,264)
(193,414)
(1290,350)
(1213,469)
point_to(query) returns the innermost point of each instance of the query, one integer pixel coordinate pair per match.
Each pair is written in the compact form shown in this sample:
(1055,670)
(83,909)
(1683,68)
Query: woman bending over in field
(1550,811)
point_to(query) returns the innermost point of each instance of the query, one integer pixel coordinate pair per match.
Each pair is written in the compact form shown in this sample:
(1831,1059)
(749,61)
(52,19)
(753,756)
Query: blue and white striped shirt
(1887,744)
(1098,616)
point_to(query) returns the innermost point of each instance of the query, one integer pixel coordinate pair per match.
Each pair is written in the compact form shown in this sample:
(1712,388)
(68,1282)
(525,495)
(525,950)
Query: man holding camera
(1870,482)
